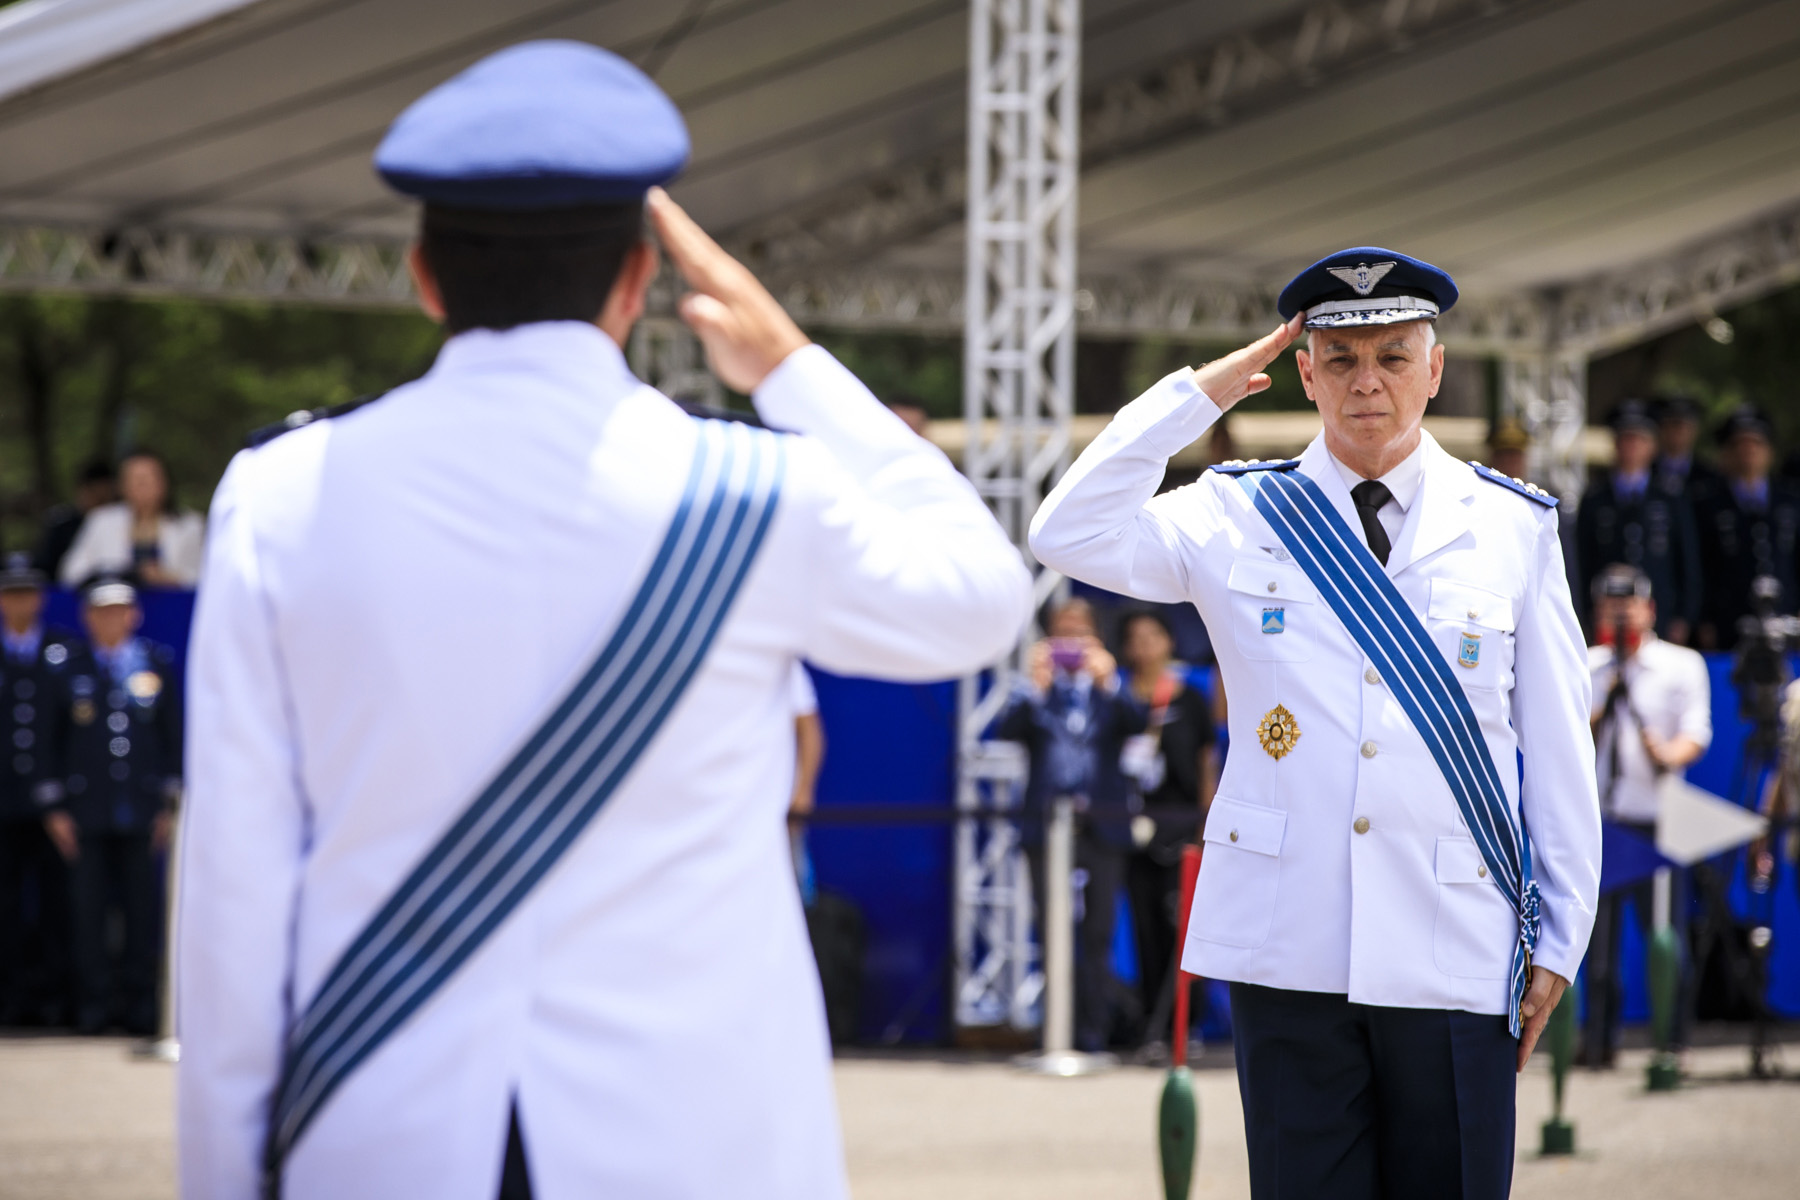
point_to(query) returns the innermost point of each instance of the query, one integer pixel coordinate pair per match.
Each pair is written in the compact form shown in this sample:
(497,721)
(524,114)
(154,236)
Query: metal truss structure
(1236,78)
(219,266)
(1018,400)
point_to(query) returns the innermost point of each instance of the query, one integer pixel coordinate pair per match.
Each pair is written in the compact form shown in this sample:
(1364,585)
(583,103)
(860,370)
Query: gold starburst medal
(1278,732)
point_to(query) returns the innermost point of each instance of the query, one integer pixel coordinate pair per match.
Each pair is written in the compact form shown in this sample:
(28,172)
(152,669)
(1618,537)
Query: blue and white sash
(1358,589)
(532,810)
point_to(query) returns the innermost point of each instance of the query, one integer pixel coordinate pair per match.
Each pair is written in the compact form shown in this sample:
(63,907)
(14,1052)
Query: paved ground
(80,1120)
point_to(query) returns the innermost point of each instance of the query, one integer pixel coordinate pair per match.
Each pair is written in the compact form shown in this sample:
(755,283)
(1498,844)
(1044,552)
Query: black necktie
(1370,495)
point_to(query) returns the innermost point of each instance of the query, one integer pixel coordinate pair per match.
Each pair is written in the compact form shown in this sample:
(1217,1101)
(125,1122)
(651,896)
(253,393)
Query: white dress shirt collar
(1402,482)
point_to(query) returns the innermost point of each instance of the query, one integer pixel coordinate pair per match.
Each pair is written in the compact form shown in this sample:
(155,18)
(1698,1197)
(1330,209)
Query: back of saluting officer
(466,916)
(1394,630)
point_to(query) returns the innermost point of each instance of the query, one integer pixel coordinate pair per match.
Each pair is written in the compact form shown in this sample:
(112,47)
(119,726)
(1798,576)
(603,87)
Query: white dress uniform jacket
(1671,696)
(392,600)
(1345,866)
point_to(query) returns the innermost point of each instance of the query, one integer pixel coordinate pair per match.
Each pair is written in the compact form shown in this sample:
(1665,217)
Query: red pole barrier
(1190,871)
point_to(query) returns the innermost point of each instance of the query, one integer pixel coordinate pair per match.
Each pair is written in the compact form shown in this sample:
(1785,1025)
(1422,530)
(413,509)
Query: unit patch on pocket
(1274,620)
(1469,654)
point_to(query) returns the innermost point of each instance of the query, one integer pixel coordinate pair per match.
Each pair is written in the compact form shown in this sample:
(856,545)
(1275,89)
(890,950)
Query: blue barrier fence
(892,746)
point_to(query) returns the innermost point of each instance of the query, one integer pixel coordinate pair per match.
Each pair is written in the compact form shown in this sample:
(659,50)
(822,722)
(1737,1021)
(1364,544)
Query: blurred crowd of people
(1132,740)
(123,523)
(1703,533)
(89,783)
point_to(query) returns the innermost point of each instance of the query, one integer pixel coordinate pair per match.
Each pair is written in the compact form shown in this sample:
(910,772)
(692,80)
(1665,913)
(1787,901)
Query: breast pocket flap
(1459,861)
(1246,826)
(1463,604)
(1273,581)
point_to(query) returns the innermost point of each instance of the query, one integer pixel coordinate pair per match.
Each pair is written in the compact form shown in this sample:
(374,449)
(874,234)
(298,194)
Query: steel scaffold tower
(1018,399)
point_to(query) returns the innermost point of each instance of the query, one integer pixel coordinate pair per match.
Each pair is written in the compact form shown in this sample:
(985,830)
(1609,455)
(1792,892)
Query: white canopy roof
(1522,145)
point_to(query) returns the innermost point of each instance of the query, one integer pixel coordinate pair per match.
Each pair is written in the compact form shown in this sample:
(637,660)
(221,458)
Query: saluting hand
(1228,380)
(1541,999)
(745,331)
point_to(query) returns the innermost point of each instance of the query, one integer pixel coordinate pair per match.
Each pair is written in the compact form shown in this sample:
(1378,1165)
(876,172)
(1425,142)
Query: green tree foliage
(82,379)
(1759,362)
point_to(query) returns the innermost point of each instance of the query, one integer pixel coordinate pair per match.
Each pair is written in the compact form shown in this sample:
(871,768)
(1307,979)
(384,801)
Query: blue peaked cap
(1367,285)
(548,124)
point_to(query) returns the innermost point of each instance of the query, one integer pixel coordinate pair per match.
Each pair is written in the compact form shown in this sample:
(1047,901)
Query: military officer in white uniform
(1394,942)
(645,1020)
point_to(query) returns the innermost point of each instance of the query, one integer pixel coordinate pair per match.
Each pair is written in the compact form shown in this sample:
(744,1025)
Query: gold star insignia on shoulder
(1278,732)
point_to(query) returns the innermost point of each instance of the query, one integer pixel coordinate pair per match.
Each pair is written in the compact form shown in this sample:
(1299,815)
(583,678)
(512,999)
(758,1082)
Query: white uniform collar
(1403,481)
(554,347)
(1442,486)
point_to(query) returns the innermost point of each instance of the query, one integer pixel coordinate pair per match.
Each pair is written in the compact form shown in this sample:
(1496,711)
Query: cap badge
(1278,732)
(1363,277)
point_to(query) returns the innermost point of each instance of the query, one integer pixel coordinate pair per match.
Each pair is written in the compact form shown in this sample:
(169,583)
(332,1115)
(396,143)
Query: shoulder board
(304,417)
(1530,491)
(1240,466)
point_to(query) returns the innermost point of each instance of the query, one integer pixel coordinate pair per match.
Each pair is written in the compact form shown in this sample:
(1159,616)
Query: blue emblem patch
(1469,655)
(1274,620)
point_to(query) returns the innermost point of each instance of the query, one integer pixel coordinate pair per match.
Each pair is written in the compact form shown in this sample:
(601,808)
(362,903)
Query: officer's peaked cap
(540,125)
(1367,285)
(20,573)
(1747,418)
(1676,406)
(1632,416)
(108,590)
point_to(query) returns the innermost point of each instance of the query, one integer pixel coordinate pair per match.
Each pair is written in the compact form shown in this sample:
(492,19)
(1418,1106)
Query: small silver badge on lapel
(1363,277)
(1469,654)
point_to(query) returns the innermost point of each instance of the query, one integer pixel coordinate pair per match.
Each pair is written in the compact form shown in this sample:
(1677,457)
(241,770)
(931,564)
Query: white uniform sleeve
(241,852)
(184,547)
(1104,523)
(910,575)
(1552,697)
(89,552)
(1696,702)
(800,692)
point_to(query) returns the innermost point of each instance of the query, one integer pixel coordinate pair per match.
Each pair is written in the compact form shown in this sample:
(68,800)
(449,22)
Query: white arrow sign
(1692,824)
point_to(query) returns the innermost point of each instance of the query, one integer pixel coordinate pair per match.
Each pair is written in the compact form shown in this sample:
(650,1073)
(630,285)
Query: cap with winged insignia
(1367,285)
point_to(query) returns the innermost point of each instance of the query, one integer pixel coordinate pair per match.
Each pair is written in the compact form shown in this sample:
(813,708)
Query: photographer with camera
(1074,718)
(1652,717)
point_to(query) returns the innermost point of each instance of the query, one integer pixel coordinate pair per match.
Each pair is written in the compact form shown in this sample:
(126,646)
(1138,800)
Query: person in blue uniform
(34,880)
(1640,516)
(115,738)
(1748,529)
(1678,466)
(1073,716)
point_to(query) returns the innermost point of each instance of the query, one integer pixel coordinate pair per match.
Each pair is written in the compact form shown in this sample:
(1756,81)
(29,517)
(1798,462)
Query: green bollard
(1178,1121)
(1559,1134)
(1664,1072)
(1178,1116)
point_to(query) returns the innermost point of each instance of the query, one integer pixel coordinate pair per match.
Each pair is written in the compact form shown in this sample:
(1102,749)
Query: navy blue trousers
(1350,1101)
